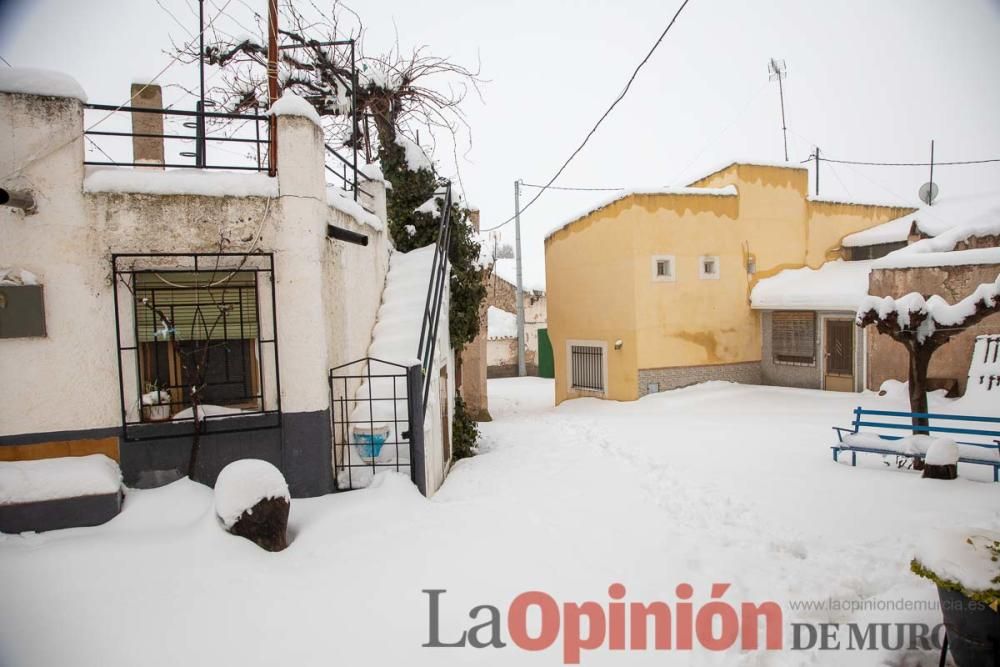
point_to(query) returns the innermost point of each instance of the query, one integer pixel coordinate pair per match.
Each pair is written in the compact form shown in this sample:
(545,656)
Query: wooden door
(839,355)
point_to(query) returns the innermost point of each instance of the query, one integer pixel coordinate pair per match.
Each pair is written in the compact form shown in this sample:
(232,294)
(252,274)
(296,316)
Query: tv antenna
(776,72)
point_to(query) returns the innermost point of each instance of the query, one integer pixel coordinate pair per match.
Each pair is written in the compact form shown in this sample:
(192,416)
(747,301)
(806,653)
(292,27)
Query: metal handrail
(435,296)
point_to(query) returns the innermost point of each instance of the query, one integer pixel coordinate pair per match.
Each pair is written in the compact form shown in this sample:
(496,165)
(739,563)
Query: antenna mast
(776,72)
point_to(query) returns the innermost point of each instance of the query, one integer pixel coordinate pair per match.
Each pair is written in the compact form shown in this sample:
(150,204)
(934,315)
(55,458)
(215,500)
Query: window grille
(793,337)
(587,363)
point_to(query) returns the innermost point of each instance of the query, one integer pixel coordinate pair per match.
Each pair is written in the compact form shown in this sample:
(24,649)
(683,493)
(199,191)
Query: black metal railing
(377,422)
(348,176)
(231,128)
(435,294)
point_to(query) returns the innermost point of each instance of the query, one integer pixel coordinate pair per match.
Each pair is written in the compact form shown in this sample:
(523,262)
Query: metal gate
(377,422)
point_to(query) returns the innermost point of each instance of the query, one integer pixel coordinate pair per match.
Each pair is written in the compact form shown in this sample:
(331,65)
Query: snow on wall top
(500,323)
(49,479)
(35,81)
(946,214)
(837,285)
(244,483)
(290,104)
(907,260)
(857,202)
(727,191)
(505,268)
(416,158)
(344,202)
(750,163)
(179,182)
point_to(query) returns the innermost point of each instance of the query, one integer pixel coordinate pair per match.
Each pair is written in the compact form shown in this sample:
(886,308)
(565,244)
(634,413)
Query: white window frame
(570,344)
(673,268)
(701,267)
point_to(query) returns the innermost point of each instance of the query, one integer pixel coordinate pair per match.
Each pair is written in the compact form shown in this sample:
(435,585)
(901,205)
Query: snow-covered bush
(252,500)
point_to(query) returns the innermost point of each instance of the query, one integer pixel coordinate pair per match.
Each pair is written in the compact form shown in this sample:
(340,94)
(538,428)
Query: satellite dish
(928,193)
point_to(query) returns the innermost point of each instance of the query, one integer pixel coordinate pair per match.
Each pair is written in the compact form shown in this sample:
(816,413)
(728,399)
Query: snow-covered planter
(966,569)
(942,460)
(156,406)
(252,501)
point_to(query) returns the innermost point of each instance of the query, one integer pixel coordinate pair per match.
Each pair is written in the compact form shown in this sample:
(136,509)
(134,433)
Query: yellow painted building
(650,291)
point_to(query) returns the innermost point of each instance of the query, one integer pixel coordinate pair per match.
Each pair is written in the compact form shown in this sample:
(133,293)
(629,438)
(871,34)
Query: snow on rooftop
(906,260)
(500,323)
(179,182)
(505,268)
(344,202)
(727,191)
(35,81)
(946,214)
(66,477)
(290,104)
(858,202)
(750,162)
(837,285)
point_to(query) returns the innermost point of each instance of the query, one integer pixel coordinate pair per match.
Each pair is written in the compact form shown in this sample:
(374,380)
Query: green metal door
(546,364)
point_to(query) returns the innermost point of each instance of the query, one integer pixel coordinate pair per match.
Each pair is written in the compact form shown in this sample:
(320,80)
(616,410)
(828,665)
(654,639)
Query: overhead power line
(902,164)
(618,99)
(566,187)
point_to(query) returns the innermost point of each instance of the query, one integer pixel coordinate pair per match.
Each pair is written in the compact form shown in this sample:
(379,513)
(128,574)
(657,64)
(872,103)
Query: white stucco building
(147,278)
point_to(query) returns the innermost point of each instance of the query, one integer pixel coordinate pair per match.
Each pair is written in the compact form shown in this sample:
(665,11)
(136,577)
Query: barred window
(793,337)
(200,324)
(587,367)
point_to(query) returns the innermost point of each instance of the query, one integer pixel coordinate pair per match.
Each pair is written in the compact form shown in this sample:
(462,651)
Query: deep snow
(714,483)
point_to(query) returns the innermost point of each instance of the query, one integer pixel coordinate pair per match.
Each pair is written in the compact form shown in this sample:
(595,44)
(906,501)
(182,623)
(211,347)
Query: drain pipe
(22,200)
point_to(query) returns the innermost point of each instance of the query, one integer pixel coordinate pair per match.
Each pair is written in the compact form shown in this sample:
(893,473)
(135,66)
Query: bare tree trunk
(920,359)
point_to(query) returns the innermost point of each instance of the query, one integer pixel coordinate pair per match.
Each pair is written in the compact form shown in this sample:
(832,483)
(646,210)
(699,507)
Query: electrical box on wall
(22,311)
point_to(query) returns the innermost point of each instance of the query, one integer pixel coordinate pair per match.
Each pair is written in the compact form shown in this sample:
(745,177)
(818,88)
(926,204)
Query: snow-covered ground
(713,483)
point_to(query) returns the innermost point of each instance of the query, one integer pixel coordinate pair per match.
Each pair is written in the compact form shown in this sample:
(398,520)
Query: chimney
(147,150)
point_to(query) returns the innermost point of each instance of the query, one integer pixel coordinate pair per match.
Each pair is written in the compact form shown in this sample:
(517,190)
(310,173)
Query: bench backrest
(986,427)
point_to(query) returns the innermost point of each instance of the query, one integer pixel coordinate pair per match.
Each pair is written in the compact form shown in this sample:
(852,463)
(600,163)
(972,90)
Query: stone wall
(888,359)
(682,376)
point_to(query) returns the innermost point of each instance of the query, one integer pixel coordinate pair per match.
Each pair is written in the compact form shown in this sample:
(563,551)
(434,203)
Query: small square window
(708,267)
(663,268)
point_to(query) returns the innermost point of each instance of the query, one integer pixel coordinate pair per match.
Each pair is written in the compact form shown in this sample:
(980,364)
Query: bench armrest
(841,431)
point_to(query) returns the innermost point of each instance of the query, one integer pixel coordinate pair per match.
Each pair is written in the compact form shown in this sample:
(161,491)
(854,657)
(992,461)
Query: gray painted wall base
(45,515)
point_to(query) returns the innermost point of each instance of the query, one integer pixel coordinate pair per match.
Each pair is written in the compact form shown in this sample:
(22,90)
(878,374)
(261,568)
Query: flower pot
(156,413)
(973,630)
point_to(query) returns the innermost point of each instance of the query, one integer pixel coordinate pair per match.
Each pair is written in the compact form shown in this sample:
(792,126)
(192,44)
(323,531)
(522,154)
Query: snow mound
(204,182)
(942,452)
(290,104)
(500,323)
(35,81)
(50,479)
(244,483)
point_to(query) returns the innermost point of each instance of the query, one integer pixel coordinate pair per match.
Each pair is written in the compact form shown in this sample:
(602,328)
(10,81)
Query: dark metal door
(840,355)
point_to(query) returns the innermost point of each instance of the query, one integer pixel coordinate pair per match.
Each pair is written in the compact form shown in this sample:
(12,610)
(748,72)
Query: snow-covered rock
(36,81)
(244,483)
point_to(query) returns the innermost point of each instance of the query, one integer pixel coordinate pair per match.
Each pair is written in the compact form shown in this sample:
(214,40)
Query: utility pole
(817,170)
(776,71)
(930,196)
(272,83)
(521,370)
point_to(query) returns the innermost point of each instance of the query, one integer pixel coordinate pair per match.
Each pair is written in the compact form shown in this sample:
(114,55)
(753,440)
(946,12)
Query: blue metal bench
(875,419)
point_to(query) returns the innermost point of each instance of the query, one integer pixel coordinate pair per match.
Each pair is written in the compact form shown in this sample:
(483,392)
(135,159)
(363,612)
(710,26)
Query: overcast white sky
(867,80)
